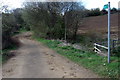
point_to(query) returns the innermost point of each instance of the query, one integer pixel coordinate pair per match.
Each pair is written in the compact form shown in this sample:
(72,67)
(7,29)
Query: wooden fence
(114,44)
(97,50)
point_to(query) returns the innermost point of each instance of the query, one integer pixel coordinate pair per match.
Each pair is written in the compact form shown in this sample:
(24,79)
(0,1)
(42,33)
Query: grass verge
(6,54)
(90,60)
(23,30)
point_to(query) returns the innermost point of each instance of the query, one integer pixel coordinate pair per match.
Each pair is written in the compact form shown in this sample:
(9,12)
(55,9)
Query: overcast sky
(99,3)
(87,3)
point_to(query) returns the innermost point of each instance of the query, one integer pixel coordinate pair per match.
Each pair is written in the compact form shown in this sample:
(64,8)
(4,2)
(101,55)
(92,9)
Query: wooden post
(113,45)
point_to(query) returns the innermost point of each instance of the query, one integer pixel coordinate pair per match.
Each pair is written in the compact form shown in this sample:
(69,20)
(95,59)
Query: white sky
(99,3)
(87,3)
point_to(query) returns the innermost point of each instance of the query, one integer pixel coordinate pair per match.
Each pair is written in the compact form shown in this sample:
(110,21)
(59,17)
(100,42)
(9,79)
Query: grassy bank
(90,60)
(6,54)
(0,58)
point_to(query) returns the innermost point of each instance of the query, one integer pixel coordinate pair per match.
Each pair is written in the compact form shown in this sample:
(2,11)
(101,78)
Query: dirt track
(34,60)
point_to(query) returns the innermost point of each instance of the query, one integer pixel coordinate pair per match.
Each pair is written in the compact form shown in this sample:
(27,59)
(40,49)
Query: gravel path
(34,60)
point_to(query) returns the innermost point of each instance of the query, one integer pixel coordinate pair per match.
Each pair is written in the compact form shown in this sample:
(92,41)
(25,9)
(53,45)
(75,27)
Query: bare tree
(74,13)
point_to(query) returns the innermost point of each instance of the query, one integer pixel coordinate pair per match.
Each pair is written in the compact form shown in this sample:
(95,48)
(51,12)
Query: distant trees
(57,19)
(93,12)
(55,24)
(44,19)
(98,12)
(103,12)
(49,19)
(114,10)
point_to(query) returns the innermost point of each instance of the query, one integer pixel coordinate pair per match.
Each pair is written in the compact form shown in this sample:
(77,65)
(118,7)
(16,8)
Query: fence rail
(115,44)
(96,49)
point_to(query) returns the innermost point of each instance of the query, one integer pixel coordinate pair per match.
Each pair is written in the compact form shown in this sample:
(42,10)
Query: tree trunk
(75,31)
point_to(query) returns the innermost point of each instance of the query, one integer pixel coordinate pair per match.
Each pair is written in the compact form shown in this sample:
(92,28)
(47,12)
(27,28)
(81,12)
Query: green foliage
(11,23)
(93,12)
(98,12)
(116,51)
(90,60)
(57,31)
(18,16)
(8,29)
(103,12)
(0,59)
(47,20)
(114,10)
(37,19)
(6,54)
(8,22)
(22,30)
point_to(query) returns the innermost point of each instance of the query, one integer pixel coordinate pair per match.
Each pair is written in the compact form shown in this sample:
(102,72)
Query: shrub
(116,51)
(8,29)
